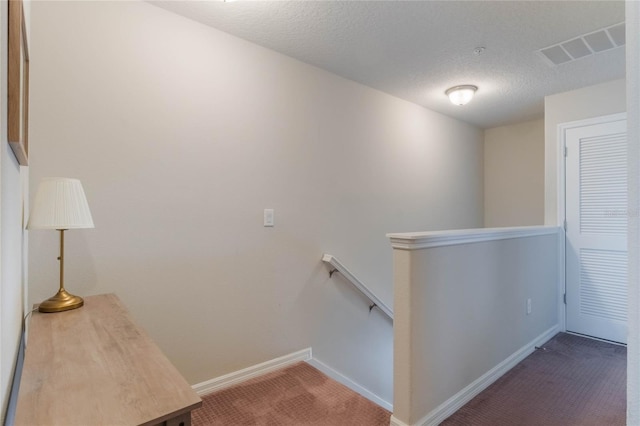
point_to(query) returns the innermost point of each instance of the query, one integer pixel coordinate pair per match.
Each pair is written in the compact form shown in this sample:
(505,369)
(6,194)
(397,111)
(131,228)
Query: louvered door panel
(603,290)
(603,185)
(596,212)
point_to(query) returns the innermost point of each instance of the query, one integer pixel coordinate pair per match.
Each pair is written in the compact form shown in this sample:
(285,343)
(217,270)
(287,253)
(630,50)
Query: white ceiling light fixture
(461,95)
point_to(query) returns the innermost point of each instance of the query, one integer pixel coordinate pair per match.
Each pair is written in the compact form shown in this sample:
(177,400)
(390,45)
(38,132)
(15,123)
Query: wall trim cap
(422,240)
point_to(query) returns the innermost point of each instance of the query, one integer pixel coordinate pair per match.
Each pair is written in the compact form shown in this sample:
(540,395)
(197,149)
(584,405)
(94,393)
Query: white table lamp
(60,204)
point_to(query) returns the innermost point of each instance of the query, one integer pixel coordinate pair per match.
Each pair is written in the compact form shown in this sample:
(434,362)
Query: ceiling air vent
(584,45)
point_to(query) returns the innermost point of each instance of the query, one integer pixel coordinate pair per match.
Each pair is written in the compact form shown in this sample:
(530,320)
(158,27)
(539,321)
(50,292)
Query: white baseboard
(340,378)
(453,404)
(396,422)
(435,417)
(236,377)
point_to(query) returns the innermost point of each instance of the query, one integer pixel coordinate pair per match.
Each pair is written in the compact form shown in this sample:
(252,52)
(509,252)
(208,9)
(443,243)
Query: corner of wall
(633,129)
(13,254)
(587,102)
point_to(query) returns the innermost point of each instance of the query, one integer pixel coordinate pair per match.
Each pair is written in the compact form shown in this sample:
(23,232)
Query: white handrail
(339,267)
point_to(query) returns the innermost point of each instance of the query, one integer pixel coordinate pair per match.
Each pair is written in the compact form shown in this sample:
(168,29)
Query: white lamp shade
(60,203)
(461,95)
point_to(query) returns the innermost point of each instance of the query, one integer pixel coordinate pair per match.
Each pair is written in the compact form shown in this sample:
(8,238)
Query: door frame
(561,201)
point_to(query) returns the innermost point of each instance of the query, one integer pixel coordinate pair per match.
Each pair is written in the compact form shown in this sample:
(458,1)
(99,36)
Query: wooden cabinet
(94,366)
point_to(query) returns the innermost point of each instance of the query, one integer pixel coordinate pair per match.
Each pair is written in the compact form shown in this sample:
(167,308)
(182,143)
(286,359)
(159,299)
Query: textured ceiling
(415,50)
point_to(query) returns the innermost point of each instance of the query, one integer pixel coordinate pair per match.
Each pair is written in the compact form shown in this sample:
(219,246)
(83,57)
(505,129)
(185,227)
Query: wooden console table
(94,366)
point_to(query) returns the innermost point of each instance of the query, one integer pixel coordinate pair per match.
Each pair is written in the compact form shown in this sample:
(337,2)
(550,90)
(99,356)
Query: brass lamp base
(62,301)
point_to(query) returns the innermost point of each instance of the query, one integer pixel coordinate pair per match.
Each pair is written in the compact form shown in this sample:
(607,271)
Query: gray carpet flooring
(570,381)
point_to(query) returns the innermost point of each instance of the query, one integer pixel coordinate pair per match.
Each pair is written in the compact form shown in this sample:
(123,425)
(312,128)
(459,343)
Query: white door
(596,229)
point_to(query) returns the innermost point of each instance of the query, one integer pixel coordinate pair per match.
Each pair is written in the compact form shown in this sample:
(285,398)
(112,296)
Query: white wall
(13,187)
(514,175)
(593,101)
(454,325)
(182,135)
(633,138)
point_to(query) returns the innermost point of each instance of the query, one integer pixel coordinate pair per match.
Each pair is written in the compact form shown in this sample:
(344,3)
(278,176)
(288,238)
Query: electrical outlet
(529,306)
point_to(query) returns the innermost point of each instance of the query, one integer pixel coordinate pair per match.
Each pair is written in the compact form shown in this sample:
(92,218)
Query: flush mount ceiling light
(461,95)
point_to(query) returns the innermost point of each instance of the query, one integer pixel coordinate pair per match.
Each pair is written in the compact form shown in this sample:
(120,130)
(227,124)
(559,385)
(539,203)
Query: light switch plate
(269,217)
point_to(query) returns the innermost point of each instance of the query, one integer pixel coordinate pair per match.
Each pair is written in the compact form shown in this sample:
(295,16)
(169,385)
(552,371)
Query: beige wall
(593,101)
(13,194)
(182,135)
(445,340)
(514,175)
